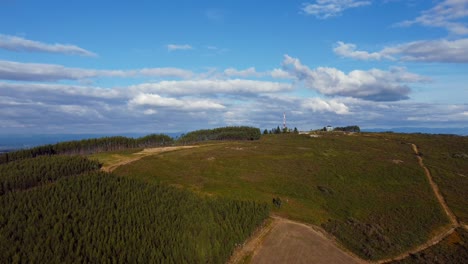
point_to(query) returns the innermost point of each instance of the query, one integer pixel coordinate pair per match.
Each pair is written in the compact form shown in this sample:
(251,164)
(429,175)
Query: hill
(368,190)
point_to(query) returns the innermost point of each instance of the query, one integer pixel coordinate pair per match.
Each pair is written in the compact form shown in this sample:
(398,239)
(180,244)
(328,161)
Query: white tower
(284,120)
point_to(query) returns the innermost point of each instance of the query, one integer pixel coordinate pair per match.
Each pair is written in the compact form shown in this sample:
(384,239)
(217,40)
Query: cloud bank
(442,50)
(19,44)
(373,85)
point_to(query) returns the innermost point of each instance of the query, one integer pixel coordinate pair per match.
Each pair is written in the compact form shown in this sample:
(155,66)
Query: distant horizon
(178,65)
(21,141)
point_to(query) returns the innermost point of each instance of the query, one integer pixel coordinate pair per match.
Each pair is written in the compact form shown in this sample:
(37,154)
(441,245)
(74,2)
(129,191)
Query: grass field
(368,191)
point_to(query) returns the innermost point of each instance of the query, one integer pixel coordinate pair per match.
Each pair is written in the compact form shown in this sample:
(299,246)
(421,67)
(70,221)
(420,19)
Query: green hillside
(366,189)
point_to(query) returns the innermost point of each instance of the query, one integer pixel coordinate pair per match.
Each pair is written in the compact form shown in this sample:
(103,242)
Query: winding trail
(435,188)
(445,231)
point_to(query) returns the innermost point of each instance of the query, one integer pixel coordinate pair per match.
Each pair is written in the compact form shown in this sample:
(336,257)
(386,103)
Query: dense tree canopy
(100,218)
(222,133)
(89,146)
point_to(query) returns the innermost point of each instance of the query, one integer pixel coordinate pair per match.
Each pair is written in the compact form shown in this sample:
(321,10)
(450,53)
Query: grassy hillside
(100,218)
(368,191)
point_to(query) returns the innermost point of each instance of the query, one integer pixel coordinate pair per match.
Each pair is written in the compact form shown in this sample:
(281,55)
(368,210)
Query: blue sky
(167,66)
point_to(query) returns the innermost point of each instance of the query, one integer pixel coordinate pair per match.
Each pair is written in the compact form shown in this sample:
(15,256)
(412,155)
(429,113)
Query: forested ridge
(222,133)
(95,217)
(89,146)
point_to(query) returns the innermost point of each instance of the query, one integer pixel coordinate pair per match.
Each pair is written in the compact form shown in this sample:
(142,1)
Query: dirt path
(446,231)
(286,241)
(142,154)
(435,188)
(431,242)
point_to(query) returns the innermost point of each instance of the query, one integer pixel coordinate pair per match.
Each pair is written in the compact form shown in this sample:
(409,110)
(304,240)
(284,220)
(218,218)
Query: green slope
(368,191)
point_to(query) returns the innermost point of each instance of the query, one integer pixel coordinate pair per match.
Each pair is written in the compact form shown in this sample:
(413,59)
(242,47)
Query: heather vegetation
(369,192)
(453,250)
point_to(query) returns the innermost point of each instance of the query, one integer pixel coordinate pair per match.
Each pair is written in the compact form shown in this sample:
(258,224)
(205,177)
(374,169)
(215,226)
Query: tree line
(88,146)
(97,217)
(222,133)
(356,129)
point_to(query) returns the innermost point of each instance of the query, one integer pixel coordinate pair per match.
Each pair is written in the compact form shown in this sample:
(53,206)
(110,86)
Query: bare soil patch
(285,241)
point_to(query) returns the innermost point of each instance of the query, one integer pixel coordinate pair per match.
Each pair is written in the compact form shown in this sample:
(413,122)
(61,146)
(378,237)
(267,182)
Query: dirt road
(141,154)
(286,241)
(446,231)
(435,188)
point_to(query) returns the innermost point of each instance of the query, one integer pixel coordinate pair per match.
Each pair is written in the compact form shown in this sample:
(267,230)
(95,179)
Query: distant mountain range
(462,131)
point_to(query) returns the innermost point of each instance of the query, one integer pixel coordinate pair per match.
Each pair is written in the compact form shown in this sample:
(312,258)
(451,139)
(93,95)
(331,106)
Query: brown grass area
(119,160)
(286,241)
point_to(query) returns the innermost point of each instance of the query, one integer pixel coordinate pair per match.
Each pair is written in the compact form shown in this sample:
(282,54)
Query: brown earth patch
(286,241)
(136,156)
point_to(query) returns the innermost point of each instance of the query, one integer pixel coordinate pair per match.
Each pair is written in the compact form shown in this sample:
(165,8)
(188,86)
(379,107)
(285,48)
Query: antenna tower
(284,120)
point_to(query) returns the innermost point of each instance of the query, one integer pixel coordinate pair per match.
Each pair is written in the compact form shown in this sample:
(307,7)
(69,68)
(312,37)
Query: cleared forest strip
(144,153)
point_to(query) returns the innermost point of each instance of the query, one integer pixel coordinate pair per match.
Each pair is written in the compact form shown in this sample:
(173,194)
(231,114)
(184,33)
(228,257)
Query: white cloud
(374,84)
(19,44)
(249,72)
(348,50)
(442,50)
(280,74)
(10,70)
(173,47)
(231,86)
(155,100)
(448,14)
(321,105)
(324,9)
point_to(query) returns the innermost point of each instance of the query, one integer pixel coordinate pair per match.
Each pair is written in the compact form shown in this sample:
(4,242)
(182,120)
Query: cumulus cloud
(10,70)
(374,84)
(442,50)
(173,47)
(204,86)
(447,14)
(156,100)
(321,105)
(324,9)
(348,50)
(19,44)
